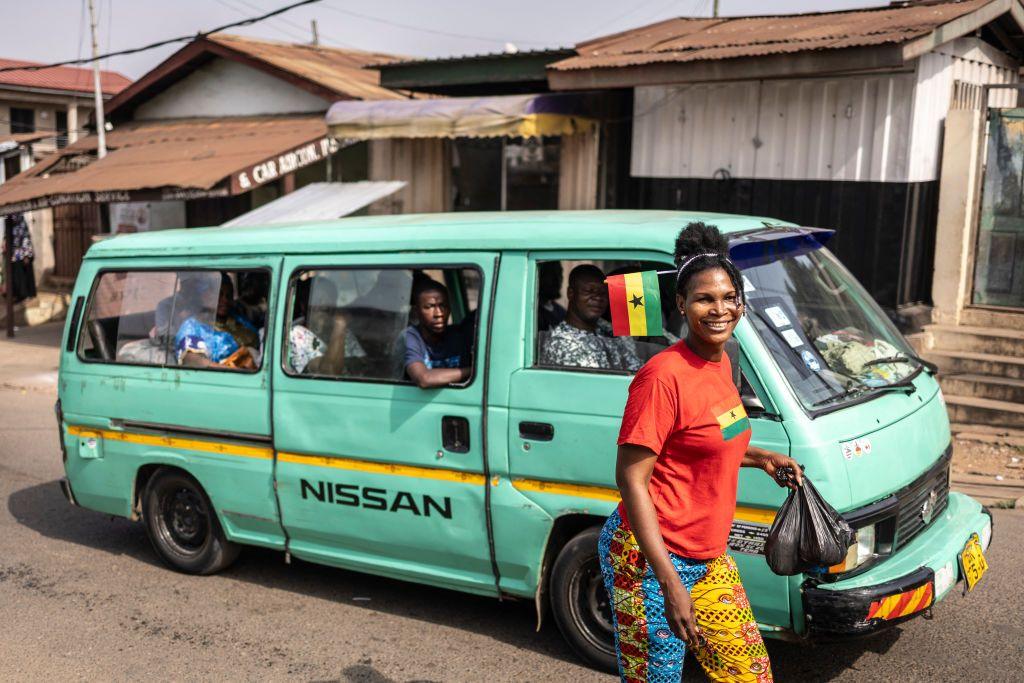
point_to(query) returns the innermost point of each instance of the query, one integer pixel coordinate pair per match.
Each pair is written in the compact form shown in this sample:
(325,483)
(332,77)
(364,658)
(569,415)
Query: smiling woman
(684,436)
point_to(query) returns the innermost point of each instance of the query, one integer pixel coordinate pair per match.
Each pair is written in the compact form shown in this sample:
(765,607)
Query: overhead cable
(161,43)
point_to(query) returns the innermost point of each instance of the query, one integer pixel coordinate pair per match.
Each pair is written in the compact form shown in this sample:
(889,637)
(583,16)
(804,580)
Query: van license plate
(973,563)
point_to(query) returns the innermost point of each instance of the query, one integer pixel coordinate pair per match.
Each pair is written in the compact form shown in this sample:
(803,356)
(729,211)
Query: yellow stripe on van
(218,447)
(382,468)
(743,513)
(637,314)
(538,486)
(755,515)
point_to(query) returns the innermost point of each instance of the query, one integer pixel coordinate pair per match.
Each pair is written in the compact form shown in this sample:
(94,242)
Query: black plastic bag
(808,535)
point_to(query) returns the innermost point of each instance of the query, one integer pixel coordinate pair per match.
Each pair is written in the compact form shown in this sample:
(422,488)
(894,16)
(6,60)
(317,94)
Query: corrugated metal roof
(343,71)
(481,57)
(687,39)
(61,78)
(318,202)
(188,153)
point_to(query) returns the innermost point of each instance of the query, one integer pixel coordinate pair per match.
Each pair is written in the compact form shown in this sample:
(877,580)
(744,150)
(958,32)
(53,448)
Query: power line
(304,30)
(169,41)
(420,29)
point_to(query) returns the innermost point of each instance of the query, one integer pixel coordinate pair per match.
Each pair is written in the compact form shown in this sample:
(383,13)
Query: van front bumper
(921,574)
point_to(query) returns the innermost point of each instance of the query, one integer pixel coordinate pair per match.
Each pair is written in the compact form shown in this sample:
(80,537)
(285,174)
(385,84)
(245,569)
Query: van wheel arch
(563,530)
(142,477)
(181,521)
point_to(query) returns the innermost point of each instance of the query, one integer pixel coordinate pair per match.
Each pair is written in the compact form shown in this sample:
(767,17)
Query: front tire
(182,525)
(580,602)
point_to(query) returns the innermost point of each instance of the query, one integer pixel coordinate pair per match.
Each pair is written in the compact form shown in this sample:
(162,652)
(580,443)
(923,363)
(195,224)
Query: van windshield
(829,337)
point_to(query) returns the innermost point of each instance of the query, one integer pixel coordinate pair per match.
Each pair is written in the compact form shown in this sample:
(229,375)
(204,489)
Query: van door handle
(536,431)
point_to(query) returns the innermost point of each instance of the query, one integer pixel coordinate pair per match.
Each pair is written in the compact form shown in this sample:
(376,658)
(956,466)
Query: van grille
(912,498)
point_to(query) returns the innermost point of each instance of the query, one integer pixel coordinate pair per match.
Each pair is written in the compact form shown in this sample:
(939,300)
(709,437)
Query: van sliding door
(373,472)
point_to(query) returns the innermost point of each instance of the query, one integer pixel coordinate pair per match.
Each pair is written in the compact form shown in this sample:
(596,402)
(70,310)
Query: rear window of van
(199,319)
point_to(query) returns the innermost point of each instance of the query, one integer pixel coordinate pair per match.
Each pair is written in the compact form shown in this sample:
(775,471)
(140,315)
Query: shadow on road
(43,509)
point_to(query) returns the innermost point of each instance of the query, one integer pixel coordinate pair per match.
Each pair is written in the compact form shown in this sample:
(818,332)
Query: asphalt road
(83,597)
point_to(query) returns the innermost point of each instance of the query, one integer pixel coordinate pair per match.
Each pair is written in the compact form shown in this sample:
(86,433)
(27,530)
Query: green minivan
(246,386)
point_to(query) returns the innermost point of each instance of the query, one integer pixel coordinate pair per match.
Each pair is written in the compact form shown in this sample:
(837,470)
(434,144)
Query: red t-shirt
(687,410)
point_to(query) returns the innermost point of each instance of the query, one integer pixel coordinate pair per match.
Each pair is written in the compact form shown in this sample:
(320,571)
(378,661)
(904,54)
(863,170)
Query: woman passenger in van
(230,343)
(684,436)
(436,353)
(319,341)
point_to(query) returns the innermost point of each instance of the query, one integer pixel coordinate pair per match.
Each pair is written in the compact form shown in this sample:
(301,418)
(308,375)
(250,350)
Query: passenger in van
(187,301)
(227,344)
(549,288)
(436,354)
(319,341)
(584,339)
(252,298)
(232,317)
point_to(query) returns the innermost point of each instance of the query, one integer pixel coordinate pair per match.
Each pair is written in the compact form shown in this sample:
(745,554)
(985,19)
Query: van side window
(205,319)
(573,317)
(367,323)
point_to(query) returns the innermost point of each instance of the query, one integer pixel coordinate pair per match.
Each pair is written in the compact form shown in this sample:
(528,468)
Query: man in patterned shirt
(584,339)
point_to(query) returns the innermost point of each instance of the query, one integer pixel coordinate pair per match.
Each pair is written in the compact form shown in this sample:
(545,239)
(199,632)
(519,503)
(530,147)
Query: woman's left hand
(771,462)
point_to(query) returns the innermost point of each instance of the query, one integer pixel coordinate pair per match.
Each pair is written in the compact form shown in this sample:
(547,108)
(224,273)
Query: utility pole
(8,228)
(714,9)
(316,33)
(101,124)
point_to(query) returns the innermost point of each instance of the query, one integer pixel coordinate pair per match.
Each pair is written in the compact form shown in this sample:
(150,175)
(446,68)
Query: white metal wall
(884,127)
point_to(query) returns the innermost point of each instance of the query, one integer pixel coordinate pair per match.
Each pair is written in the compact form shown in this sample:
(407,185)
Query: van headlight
(859,553)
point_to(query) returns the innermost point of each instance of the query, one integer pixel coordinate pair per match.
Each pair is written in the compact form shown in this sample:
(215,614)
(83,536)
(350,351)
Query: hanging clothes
(22,283)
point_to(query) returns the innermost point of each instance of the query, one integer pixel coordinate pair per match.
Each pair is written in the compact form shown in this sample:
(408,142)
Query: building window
(12,166)
(23,120)
(512,174)
(62,129)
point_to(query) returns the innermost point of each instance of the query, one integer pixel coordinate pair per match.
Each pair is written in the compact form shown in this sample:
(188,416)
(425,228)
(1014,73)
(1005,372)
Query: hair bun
(700,238)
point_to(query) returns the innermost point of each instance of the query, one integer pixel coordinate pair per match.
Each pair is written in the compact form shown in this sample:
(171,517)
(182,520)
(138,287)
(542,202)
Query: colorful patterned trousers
(648,651)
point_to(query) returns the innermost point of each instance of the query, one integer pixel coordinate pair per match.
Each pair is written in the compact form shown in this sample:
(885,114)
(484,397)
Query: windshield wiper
(904,386)
(905,358)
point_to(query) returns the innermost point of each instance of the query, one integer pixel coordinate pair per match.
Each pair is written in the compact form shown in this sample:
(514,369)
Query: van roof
(536,230)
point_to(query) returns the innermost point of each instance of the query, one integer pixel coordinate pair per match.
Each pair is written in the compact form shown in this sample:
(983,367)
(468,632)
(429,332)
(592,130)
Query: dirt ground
(989,459)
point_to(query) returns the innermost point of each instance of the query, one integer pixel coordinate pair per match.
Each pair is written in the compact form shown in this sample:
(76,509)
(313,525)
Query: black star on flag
(637,301)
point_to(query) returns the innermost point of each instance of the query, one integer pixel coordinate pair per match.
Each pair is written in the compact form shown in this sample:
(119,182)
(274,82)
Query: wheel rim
(590,606)
(183,521)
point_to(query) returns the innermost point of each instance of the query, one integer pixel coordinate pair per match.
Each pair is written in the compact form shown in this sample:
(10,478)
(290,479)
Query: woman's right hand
(680,614)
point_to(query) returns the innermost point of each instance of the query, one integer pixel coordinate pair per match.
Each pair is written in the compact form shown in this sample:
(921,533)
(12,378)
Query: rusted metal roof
(61,78)
(343,71)
(173,159)
(690,40)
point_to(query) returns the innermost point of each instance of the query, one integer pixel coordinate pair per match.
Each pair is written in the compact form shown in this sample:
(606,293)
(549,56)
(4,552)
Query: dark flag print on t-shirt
(731,417)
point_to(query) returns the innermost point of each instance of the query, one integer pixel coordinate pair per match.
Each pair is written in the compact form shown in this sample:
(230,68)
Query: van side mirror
(752,404)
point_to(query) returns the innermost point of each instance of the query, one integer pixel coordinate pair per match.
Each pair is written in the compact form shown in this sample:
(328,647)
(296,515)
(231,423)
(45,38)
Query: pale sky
(52,30)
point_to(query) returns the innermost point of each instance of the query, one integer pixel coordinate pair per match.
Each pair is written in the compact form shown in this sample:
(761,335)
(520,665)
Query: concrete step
(982,317)
(988,490)
(990,340)
(988,434)
(983,411)
(984,386)
(972,363)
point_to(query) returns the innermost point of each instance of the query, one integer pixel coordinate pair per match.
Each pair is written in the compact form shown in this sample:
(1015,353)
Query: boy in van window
(584,339)
(436,353)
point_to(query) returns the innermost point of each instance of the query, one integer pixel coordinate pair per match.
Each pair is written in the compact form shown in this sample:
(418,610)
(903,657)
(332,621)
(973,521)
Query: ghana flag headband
(635,300)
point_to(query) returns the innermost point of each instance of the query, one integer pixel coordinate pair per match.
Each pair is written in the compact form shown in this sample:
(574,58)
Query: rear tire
(580,602)
(182,525)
